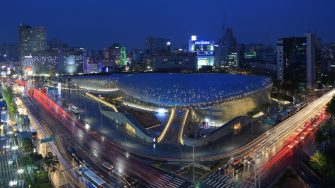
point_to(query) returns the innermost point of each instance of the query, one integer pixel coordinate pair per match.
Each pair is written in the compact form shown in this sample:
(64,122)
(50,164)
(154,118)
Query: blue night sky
(98,23)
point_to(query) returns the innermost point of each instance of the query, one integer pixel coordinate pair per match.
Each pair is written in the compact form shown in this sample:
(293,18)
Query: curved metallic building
(219,96)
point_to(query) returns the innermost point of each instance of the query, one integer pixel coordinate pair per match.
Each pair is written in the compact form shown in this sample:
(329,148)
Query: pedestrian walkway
(218,180)
(167,180)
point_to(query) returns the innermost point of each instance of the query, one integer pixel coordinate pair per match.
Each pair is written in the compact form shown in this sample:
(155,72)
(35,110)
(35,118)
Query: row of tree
(35,162)
(8,94)
(50,162)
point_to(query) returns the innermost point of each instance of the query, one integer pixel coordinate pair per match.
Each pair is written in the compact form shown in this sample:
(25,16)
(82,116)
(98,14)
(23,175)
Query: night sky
(96,24)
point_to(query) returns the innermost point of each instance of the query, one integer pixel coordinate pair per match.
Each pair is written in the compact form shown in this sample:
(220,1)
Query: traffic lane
(162,151)
(47,120)
(278,159)
(285,130)
(71,125)
(89,141)
(123,155)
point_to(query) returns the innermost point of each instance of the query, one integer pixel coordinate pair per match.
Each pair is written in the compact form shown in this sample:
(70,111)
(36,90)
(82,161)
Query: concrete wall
(122,120)
(219,133)
(226,111)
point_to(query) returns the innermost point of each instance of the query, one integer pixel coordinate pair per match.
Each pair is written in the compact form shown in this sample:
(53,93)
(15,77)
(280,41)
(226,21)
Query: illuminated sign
(202,42)
(202,47)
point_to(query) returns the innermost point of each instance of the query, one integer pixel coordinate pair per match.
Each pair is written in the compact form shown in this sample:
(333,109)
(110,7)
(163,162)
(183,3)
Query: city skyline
(180,94)
(252,22)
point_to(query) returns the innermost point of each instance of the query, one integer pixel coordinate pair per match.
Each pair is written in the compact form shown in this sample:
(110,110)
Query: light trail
(180,136)
(275,134)
(279,132)
(49,105)
(66,165)
(292,142)
(167,126)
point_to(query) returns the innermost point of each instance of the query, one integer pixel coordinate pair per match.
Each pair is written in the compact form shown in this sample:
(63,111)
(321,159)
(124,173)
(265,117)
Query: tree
(33,159)
(27,145)
(318,161)
(9,98)
(50,162)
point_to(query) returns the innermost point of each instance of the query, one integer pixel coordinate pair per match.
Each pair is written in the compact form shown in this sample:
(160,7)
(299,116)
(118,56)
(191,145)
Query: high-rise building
(115,55)
(297,62)
(226,52)
(156,44)
(258,58)
(55,61)
(72,60)
(31,40)
(92,66)
(328,57)
(41,63)
(204,50)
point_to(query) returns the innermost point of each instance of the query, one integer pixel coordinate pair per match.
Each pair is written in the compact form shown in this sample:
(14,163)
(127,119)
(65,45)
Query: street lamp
(87,126)
(15,148)
(20,171)
(12,183)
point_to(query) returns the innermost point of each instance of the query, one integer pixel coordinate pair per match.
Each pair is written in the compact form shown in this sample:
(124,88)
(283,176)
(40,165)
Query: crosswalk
(217,180)
(167,180)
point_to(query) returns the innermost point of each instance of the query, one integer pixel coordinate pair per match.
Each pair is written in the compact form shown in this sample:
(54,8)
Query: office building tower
(328,57)
(226,52)
(297,62)
(31,40)
(204,50)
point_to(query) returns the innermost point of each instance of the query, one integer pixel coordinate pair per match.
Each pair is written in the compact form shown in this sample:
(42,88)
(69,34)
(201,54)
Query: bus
(74,109)
(90,178)
(33,133)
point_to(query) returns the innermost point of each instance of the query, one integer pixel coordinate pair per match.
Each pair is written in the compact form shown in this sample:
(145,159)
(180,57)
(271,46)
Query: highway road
(164,151)
(273,139)
(262,149)
(224,148)
(92,147)
(274,149)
